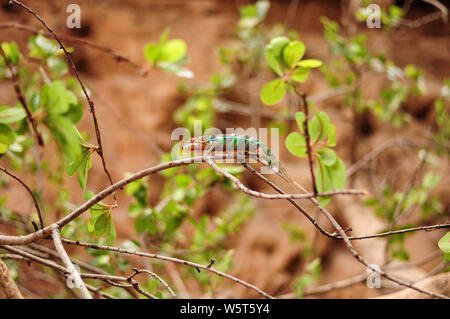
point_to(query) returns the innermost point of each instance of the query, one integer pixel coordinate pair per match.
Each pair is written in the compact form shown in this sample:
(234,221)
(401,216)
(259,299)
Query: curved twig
(35,201)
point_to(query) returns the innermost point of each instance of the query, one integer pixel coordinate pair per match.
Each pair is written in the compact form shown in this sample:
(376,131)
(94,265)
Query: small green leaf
(12,52)
(293,52)
(331,135)
(300,74)
(10,115)
(431,180)
(444,245)
(300,119)
(273,53)
(273,62)
(101,224)
(338,172)
(56,98)
(273,92)
(310,63)
(110,230)
(57,65)
(86,165)
(7,137)
(152,52)
(173,51)
(296,144)
(328,156)
(67,136)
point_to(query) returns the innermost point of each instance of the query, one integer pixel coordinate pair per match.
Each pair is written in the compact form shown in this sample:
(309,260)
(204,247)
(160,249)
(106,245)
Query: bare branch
(66,260)
(36,204)
(118,56)
(8,288)
(152,274)
(171,259)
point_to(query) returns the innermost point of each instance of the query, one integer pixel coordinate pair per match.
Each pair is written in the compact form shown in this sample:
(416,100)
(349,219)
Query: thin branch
(293,202)
(8,288)
(99,148)
(152,274)
(400,231)
(171,259)
(110,279)
(307,138)
(21,97)
(256,194)
(35,201)
(116,55)
(364,262)
(70,267)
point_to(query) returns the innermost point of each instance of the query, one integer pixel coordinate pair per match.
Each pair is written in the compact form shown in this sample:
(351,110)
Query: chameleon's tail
(282,172)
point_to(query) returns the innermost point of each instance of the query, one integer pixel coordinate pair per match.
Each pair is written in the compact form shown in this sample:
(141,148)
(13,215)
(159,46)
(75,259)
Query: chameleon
(242,146)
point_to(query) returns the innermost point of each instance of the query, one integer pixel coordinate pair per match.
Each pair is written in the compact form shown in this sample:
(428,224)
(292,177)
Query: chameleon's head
(196,144)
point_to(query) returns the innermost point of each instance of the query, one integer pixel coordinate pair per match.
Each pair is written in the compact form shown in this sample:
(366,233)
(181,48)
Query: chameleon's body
(242,147)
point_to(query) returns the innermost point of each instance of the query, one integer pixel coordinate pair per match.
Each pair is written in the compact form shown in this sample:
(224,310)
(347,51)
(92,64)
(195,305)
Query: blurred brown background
(135,112)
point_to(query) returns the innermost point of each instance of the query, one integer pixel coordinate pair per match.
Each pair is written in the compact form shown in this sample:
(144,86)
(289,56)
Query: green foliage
(352,56)
(168,55)
(101,222)
(200,104)
(330,172)
(311,275)
(444,245)
(399,203)
(441,105)
(284,57)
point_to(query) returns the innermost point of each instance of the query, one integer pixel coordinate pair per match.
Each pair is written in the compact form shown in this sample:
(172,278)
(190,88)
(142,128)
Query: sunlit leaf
(273,92)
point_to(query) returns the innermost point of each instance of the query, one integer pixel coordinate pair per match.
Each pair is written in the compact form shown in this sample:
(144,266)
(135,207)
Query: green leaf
(331,135)
(56,98)
(319,126)
(67,136)
(12,52)
(41,47)
(328,156)
(273,53)
(173,51)
(293,52)
(329,178)
(85,166)
(57,65)
(101,224)
(152,52)
(7,137)
(338,173)
(300,119)
(273,92)
(310,63)
(444,245)
(10,115)
(300,74)
(296,144)
(431,180)
(75,112)
(110,230)
(146,222)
